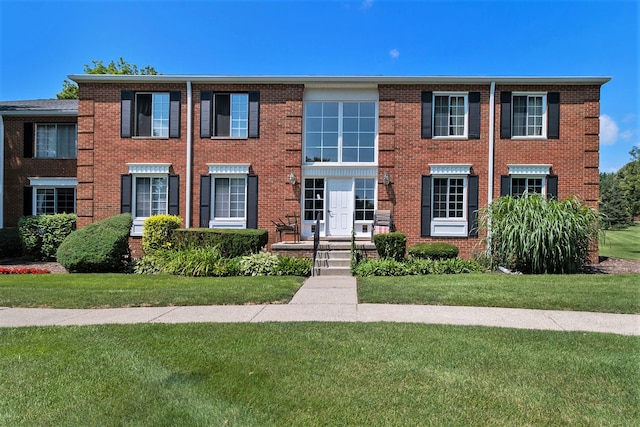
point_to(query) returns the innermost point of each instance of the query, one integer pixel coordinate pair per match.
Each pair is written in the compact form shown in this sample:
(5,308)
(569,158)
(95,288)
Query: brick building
(38,141)
(241,151)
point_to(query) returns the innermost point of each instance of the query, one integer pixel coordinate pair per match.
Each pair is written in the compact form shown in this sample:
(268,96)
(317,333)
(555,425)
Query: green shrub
(381,267)
(433,250)
(391,245)
(10,243)
(157,231)
(196,262)
(231,242)
(41,235)
(535,235)
(100,247)
(294,266)
(420,266)
(260,264)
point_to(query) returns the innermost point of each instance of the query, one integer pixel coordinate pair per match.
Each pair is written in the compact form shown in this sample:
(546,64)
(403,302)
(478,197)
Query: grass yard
(136,290)
(623,244)
(583,292)
(312,374)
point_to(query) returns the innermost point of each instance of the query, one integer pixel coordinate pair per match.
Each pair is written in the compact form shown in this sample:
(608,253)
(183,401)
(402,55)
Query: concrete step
(330,263)
(333,271)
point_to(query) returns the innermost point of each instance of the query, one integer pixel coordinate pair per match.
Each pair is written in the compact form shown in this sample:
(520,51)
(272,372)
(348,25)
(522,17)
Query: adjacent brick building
(243,151)
(38,141)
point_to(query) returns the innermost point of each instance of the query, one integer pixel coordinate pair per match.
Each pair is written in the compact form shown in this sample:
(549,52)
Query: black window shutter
(174,114)
(222,114)
(252,201)
(205,114)
(125,193)
(552,187)
(205,200)
(174,195)
(505,185)
(28,201)
(474,115)
(505,115)
(427,99)
(472,205)
(28,141)
(254,114)
(125,113)
(425,207)
(553,115)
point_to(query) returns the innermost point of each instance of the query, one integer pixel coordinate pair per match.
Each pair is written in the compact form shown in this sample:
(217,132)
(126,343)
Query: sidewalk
(331,299)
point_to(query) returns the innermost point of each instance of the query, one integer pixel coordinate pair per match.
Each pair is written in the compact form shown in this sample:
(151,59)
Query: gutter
(189,184)
(491,166)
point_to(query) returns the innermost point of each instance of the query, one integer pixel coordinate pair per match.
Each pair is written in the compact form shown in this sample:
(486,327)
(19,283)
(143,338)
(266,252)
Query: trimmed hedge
(433,250)
(231,242)
(10,243)
(391,245)
(41,235)
(101,247)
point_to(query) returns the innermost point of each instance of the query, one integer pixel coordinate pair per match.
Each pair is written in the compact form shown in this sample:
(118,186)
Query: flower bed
(23,270)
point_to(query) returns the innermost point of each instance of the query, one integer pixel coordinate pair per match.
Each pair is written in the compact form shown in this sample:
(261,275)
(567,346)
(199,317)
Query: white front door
(340,206)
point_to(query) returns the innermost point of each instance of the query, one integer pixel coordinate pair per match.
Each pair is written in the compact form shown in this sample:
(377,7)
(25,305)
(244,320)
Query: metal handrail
(316,243)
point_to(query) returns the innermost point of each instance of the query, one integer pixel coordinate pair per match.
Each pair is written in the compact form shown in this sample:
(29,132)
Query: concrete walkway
(331,299)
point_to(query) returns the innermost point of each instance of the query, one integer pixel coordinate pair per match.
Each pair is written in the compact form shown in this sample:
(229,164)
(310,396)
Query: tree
(70,89)
(629,177)
(614,206)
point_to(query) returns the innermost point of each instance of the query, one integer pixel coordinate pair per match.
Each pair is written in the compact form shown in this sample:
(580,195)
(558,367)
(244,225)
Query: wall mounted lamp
(293,178)
(386,179)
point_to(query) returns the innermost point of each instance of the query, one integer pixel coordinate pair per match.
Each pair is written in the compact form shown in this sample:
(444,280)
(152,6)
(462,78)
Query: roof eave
(543,80)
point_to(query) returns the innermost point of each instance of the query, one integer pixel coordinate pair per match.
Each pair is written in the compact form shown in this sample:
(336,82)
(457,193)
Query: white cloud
(627,134)
(608,130)
(394,53)
(366,4)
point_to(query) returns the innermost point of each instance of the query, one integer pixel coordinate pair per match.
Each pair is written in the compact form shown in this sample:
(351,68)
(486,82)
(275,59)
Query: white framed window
(228,195)
(529,115)
(53,195)
(364,193)
(57,140)
(231,115)
(152,115)
(450,115)
(313,199)
(150,195)
(449,199)
(340,127)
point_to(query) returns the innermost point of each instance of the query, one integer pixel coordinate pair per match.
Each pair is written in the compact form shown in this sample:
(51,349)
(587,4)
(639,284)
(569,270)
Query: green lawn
(312,374)
(623,244)
(581,292)
(135,290)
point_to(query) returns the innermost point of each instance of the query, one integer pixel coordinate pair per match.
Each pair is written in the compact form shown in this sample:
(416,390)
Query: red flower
(23,270)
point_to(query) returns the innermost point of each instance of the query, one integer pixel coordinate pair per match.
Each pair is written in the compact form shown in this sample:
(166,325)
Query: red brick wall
(103,155)
(18,169)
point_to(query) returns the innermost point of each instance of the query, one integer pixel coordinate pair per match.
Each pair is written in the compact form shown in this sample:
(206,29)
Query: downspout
(189,186)
(1,171)
(492,120)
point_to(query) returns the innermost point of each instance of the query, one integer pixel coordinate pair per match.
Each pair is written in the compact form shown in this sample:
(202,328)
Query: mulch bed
(605,266)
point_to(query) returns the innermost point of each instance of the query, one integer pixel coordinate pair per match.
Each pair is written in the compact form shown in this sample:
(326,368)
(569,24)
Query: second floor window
(340,132)
(449,115)
(56,141)
(528,115)
(152,115)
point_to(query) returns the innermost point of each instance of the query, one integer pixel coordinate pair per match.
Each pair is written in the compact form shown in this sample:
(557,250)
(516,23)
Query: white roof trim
(333,80)
(53,182)
(225,168)
(149,167)
(450,169)
(529,169)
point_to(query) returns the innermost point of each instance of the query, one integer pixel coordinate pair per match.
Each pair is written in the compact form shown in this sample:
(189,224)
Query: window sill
(55,158)
(449,228)
(150,137)
(529,138)
(227,138)
(457,137)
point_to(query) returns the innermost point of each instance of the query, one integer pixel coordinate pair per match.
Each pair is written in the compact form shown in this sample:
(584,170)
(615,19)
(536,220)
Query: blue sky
(44,41)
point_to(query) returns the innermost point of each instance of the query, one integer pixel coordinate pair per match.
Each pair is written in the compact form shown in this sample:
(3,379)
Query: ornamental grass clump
(535,235)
